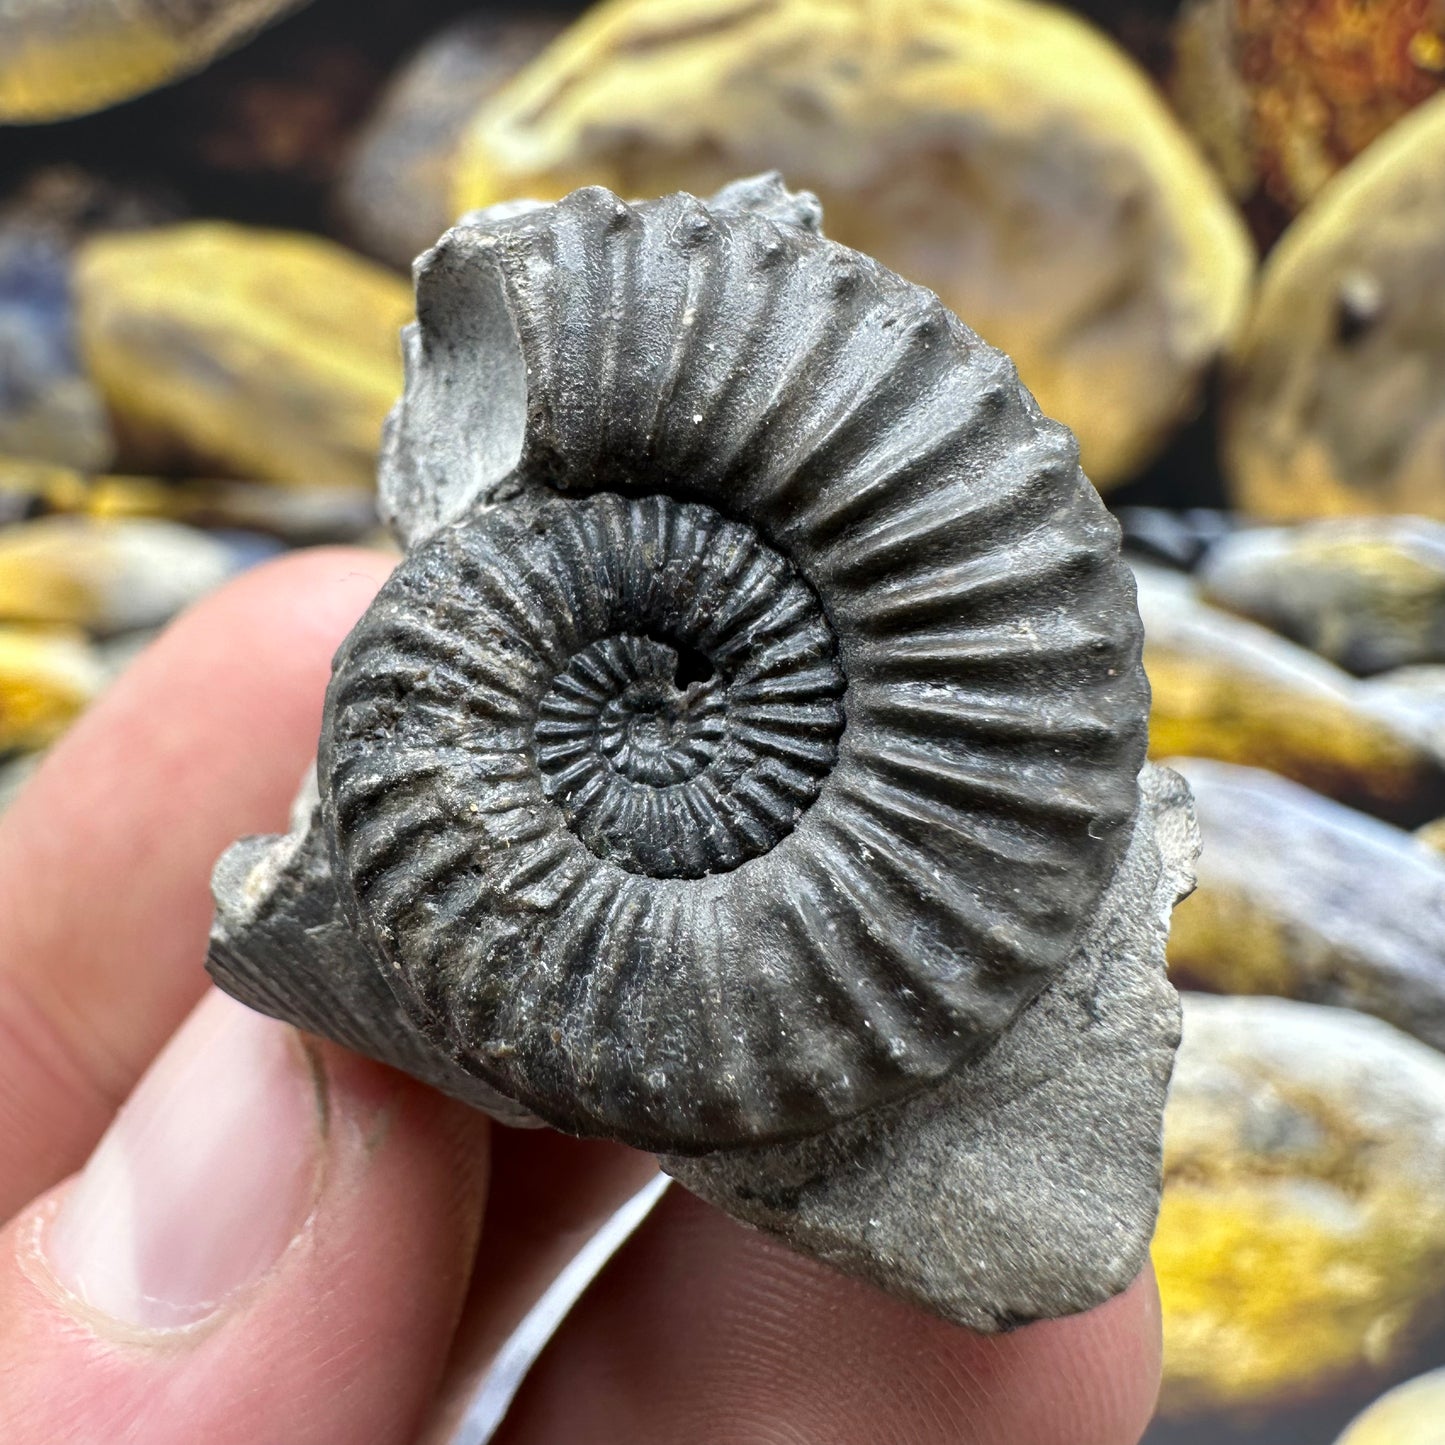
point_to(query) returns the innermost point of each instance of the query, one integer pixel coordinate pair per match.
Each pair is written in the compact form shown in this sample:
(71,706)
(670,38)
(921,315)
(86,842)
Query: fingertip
(317,593)
(295,1273)
(106,857)
(706,1331)
(1101,1371)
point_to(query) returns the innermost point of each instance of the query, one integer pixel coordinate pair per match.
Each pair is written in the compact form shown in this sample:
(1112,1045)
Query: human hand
(277,1243)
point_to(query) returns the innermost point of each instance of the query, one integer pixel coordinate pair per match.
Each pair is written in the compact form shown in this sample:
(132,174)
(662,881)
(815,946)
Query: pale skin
(363,1314)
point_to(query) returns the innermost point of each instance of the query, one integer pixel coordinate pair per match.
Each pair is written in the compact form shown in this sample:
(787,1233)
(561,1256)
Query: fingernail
(204,1178)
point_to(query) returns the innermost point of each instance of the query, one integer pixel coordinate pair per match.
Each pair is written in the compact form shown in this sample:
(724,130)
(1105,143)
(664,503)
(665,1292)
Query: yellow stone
(254,353)
(61,58)
(1227,688)
(1302,1235)
(1336,398)
(30,488)
(1005,154)
(47,676)
(1411,1414)
(1300,896)
(299,515)
(106,575)
(1366,592)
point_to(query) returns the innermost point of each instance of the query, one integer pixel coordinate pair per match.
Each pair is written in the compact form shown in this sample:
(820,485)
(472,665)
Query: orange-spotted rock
(1282,93)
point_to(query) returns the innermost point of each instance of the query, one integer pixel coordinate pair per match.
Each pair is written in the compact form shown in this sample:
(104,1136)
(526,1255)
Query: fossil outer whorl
(756,719)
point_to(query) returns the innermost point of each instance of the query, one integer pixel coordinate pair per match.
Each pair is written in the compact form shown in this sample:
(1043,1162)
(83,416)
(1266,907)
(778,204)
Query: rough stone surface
(749,739)
(982,1199)
(1302,897)
(1302,1235)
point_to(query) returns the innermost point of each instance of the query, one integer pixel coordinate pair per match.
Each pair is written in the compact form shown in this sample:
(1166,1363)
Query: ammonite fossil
(744,762)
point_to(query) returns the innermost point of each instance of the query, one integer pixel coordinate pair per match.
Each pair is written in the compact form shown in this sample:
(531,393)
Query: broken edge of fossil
(278,917)
(1025,1187)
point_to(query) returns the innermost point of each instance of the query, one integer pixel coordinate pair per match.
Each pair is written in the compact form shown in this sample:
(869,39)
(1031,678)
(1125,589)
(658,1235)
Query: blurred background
(1212,236)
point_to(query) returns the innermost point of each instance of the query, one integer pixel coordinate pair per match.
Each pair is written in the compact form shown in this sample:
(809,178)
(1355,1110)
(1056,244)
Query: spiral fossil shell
(756,719)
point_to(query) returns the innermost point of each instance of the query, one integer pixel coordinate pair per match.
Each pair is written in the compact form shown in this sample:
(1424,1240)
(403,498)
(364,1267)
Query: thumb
(272,1242)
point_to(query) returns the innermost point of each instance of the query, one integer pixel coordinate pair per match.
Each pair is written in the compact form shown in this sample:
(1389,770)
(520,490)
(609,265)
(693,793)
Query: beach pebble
(1300,896)
(250,353)
(1229,689)
(47,677)
(1336,396)
(1075,226)
(1302,1237)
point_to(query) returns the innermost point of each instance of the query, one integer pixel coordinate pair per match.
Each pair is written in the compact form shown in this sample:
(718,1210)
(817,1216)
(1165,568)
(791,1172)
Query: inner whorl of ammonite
(692,737)
(662,677)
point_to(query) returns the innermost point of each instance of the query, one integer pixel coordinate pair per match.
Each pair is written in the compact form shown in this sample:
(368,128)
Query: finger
(271,1243)
(549,1196)
(105,859)
(703,1331)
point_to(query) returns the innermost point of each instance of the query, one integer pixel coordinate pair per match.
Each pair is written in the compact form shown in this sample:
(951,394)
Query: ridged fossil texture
(753,730)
